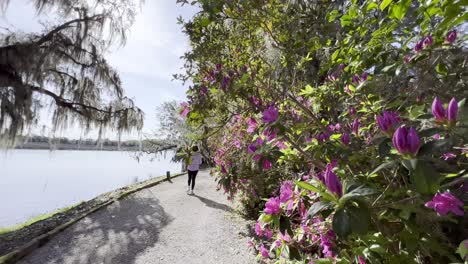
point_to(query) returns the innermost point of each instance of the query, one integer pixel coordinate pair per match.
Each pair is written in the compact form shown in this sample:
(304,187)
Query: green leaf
(354,217)
(371,6)
(358,192)
(384,4)
(425,178)
(398,11)
(266,218)
(341,223)
(317,207)
(382,166)
(463,249)
(436,146)
(307,186)
(441,68)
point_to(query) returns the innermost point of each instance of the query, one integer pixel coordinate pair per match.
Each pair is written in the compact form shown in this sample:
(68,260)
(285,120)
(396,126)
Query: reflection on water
(33,182)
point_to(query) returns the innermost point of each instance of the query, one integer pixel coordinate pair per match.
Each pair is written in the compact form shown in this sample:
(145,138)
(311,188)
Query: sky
(145,64)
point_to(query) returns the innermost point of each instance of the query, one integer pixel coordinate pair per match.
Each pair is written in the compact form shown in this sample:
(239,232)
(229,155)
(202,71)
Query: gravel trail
(161,224)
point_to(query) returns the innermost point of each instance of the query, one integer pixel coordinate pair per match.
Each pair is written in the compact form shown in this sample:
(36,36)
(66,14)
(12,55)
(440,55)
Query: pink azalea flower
(272,206)
(268,233)
(251,125)
(258,229)
(266,164)
(250,244)
(285,237)
(185,110)
(361,260)
(436,136)
(444,203)
(264,251)
(286,191)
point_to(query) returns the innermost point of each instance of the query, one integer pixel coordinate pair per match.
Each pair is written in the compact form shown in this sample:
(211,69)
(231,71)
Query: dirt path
(161,224)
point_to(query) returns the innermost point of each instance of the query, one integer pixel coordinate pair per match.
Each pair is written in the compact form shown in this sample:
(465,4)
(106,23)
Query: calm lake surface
(34,182)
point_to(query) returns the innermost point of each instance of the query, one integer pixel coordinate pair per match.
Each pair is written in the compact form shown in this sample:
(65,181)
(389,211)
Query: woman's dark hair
(195,148)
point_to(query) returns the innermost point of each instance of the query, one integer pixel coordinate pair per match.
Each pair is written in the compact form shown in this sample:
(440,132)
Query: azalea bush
(341,126)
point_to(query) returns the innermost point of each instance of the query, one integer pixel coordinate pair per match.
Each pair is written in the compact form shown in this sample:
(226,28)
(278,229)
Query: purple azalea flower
(451,36)
(361,260)
(266,164)
(341,67)
(285,237)
(272,206)
(270,115)
(219,66)
(418,47)
(264,251)
(445,203)
(452,110)
(225,83)
(387,121)
(436,136)
(355,127)
(286,191)
(345,138)
(364,76)
(438,110)
(347,89)
(356,79)
(280,144)
(406,141)
(251,148)
(332,181)
(204,90)
(277,242)
(448,155)
(223,169)
(270,134)
(258,229)
(259,141)
(428,41)
(251,125)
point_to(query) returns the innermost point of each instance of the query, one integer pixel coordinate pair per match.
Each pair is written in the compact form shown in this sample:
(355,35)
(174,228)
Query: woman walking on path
(193,167)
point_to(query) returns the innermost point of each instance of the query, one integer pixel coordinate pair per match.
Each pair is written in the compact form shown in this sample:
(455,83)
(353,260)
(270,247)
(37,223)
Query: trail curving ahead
(161,224)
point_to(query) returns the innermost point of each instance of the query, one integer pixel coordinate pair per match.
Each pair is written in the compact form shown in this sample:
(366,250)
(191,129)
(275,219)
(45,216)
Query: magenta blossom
(266,164)
(264,251)
(428,41)
(345,138)
(326,243)
(361,260)
(449,155)
(352,111)
(268,233)
(387,121)
(332,181)
(272,206)
(251,148)
(452,111)
(438,110)
(355,126)
(419,45)
(258,229)
(270,115)
(451,36)
(408,58)
(342,66)
(185,109)
(250,244)
(444,203)
(270,134)
(286,191)
(259,141)
(406,141)
(251,125)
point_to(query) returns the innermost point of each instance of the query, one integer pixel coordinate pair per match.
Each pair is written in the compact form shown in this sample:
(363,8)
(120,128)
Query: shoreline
(28,236)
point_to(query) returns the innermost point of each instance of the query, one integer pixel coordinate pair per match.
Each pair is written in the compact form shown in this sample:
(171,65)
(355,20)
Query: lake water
(34,182)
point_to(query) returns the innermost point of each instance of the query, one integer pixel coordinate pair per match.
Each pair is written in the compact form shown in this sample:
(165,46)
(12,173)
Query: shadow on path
(213,204)
(116,234)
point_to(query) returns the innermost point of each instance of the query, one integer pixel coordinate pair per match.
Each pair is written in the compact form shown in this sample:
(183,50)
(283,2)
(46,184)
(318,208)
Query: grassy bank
(33,220)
